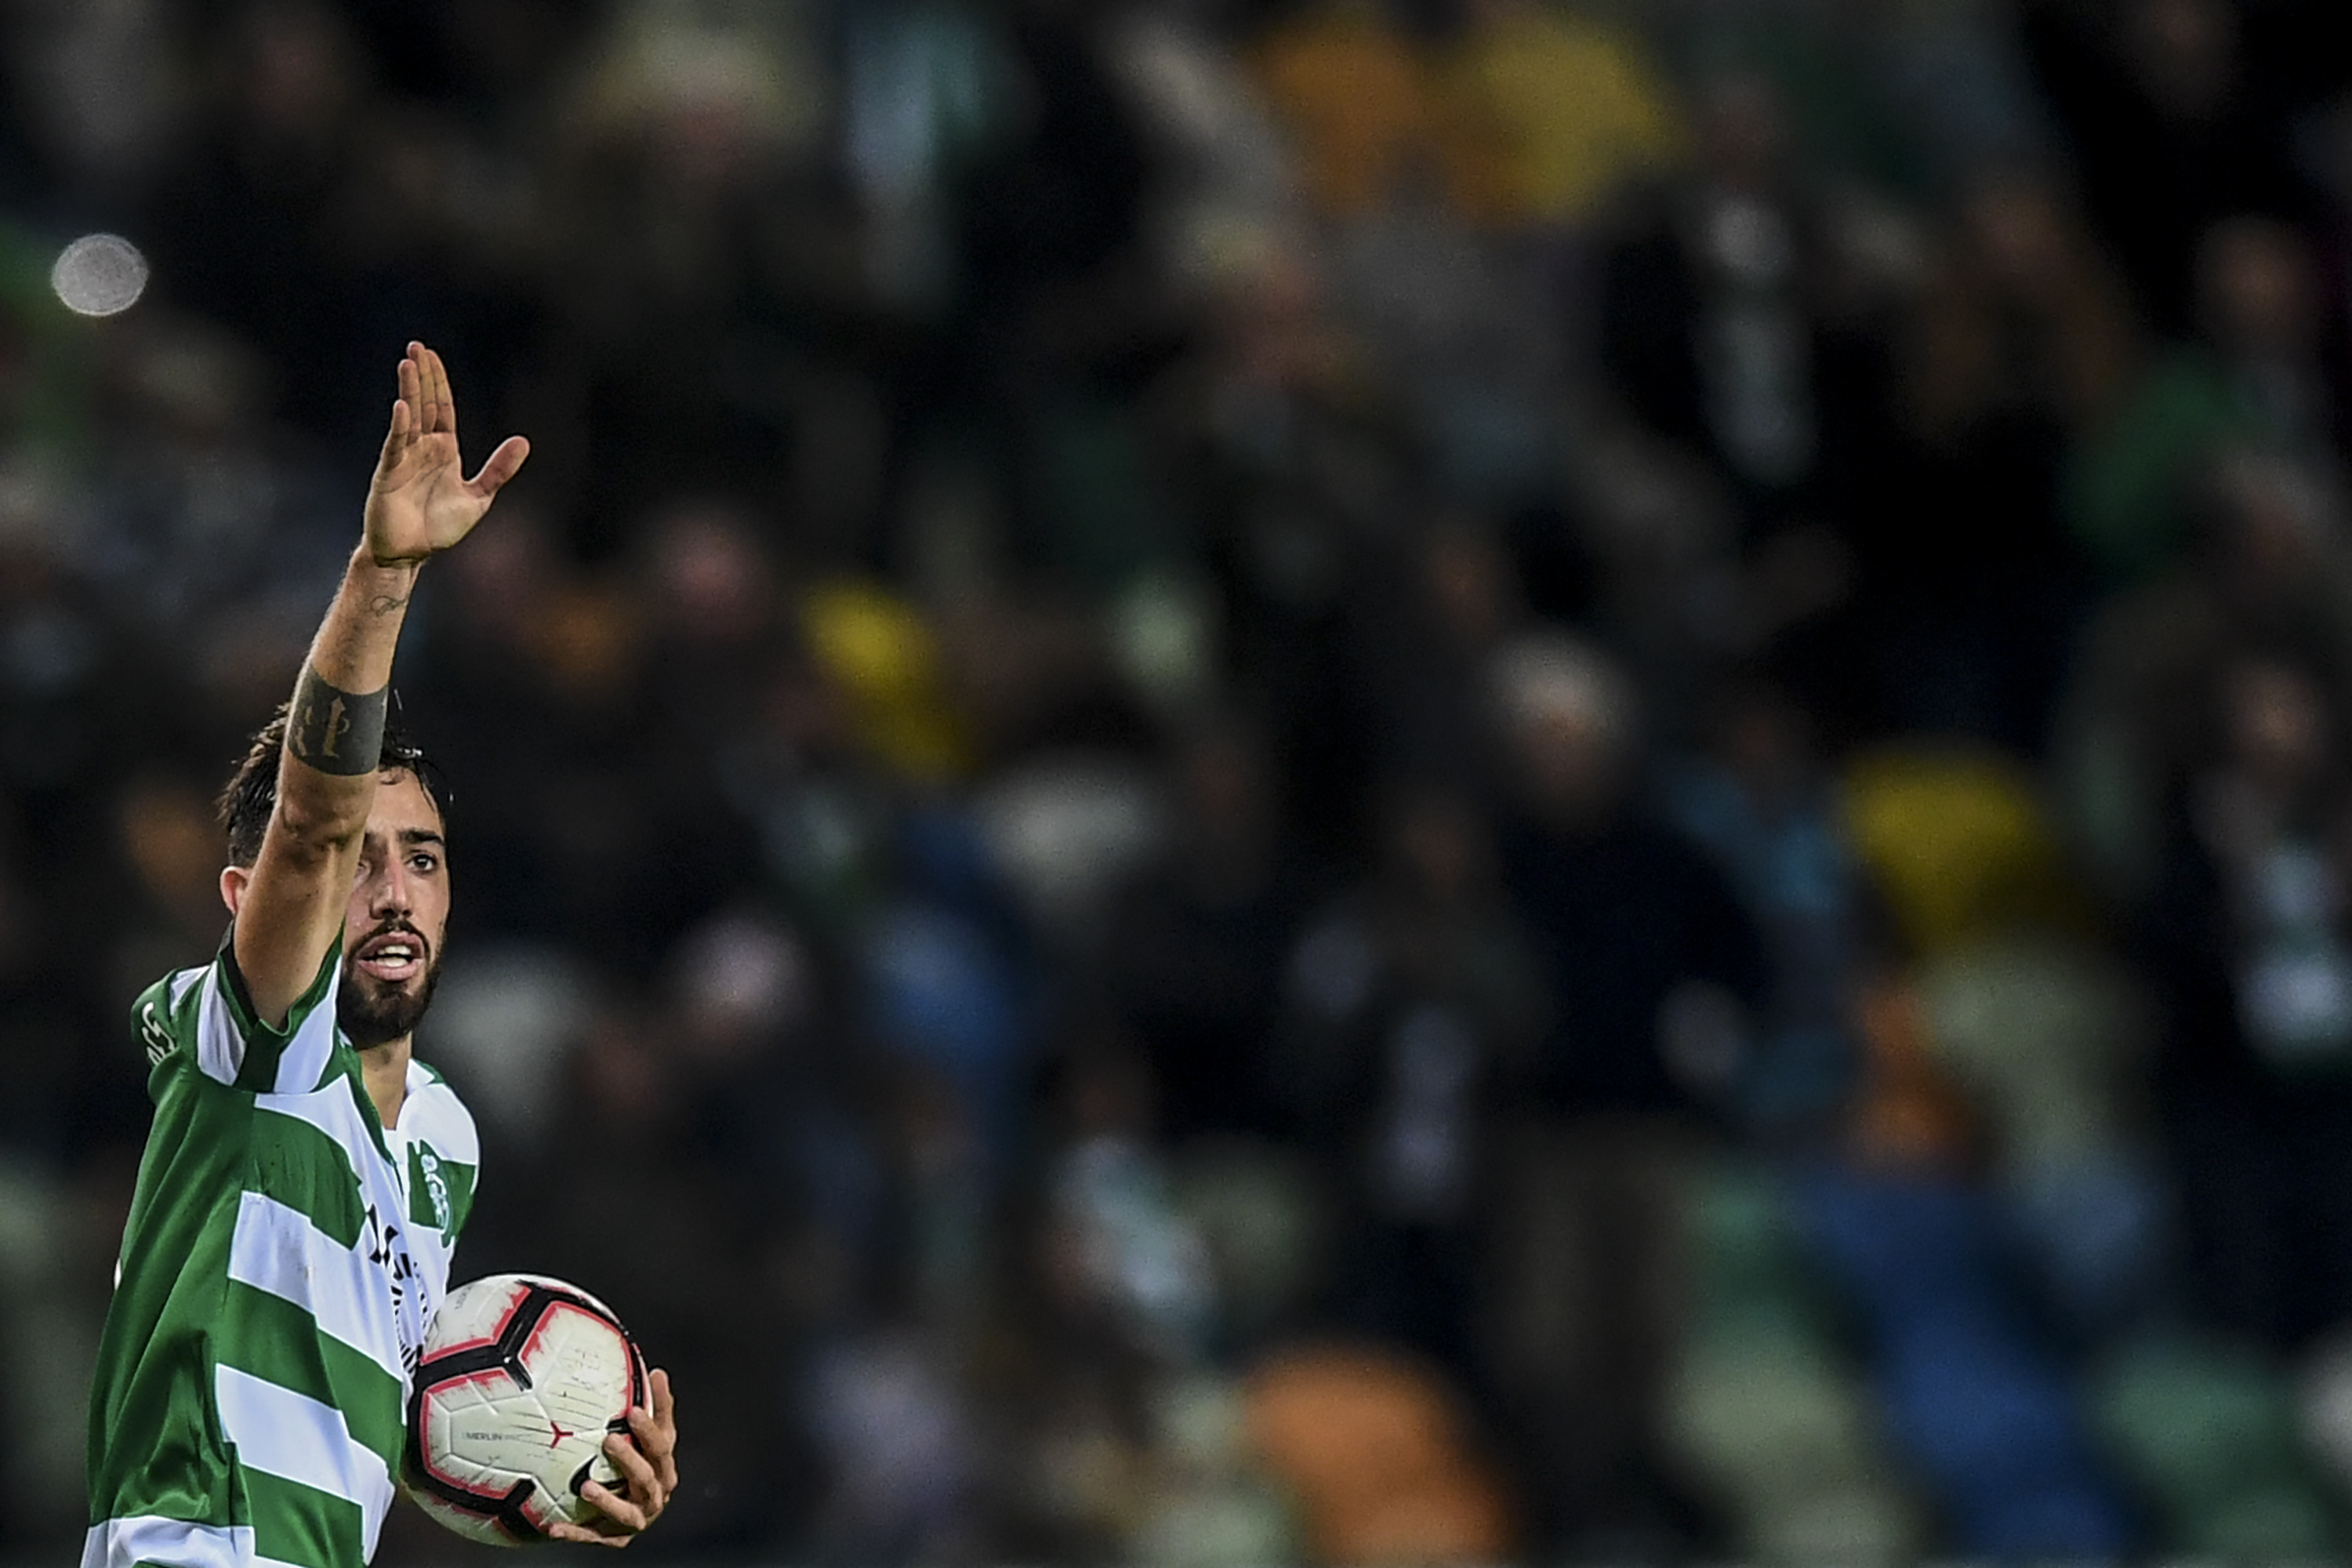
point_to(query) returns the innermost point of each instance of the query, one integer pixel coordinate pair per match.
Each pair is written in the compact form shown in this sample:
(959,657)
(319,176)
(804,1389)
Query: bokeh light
(99,275)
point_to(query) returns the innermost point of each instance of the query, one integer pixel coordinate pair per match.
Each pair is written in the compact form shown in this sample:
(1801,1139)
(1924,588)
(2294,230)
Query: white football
(521,1379)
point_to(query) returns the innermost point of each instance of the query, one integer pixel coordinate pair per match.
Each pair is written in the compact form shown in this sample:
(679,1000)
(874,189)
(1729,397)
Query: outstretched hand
(421,503)
(646,1458)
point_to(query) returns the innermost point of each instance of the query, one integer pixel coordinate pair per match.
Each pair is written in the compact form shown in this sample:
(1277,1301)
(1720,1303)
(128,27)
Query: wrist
(383,587)
(365,559)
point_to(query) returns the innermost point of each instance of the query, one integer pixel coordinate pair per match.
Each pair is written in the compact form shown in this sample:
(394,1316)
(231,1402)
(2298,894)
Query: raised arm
(290,908)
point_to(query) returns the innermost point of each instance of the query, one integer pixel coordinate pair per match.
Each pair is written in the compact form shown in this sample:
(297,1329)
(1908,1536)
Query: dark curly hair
(251,793)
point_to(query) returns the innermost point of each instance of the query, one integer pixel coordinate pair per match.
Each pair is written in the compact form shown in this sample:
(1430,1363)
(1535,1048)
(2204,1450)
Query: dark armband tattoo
(333,730)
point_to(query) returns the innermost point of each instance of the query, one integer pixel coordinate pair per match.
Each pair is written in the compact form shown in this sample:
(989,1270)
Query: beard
(374,1014)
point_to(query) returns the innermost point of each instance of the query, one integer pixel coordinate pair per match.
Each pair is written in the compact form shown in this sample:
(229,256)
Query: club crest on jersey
(426,1178)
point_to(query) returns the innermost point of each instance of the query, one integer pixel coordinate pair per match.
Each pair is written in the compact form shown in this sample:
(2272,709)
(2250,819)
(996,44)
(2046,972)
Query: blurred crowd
(1350,780)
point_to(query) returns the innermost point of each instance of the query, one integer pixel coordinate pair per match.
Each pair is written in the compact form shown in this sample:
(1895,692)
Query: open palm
(421,501)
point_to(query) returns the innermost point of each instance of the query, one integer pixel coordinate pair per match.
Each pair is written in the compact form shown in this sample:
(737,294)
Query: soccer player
(305,1177)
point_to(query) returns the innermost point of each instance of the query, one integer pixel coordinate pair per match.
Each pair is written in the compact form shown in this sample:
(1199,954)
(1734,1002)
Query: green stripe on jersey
(296,1523)
(301,1165)
(277,1340)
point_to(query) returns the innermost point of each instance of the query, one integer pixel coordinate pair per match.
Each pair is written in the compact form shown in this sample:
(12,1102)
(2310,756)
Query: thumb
(502,466)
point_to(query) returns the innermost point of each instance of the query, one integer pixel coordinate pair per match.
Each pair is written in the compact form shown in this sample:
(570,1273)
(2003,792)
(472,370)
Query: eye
(424,862)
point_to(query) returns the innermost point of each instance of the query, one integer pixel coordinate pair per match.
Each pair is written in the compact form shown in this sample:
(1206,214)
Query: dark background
(1240,783)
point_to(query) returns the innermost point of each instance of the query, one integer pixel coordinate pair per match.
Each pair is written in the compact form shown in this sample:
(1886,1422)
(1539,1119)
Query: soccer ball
(520,1380)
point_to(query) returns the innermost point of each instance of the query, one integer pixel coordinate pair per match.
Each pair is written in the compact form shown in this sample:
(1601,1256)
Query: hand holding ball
(521,1381)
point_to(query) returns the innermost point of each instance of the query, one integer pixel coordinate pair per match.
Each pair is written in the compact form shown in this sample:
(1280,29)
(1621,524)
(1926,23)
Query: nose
(388,891)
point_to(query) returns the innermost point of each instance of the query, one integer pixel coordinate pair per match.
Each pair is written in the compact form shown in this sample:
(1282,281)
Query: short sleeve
(230,1043)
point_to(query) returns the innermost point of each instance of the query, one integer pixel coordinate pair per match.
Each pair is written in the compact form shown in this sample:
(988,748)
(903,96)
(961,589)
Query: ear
(234,880)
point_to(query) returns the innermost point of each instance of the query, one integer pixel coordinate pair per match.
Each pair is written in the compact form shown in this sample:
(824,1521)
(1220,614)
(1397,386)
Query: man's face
(399,912)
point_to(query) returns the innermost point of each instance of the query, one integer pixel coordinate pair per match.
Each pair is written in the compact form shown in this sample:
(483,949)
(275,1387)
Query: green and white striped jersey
(284,1255)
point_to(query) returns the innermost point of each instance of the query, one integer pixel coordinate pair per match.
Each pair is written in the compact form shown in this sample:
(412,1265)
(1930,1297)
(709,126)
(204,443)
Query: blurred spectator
(1412,1010)
(1709,317)
(2265,567)
(1137,1258)
(1295,467)
(2020,347)
(2260,373)
(1626,914)
(2178,112)
(1425,647)
(946,991)
(1652,972)
(1757,800)
(2248,937)
(1974,1400)
(44,373)
(1194,945)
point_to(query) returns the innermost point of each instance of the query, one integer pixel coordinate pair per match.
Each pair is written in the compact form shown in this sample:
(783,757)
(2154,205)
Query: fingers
(656,1432)
(395,437)
(618,1509)
(433,416)
(412,371)
(647,1458)
(502,466)
(404,423)
(585,1537)
(637,1469)
(445,402)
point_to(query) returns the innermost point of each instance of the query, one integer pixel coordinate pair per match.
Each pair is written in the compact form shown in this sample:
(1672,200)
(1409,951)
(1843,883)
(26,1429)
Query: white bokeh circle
(99,275)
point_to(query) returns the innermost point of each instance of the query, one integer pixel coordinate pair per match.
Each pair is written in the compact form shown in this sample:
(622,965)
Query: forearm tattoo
(333,730)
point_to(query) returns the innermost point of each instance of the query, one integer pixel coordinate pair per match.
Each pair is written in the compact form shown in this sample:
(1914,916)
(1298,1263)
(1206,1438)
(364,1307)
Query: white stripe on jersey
(281,1432)
(278,1249)
(220,1050)
(168,1543)
(304,1060)
(440,1118)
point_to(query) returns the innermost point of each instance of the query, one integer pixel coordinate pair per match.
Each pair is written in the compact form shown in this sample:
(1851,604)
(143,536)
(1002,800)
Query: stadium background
(1448,780)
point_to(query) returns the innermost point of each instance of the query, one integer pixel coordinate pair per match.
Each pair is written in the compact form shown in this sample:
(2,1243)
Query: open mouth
(393,958)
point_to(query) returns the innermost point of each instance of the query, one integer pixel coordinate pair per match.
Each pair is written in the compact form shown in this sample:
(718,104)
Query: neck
(384,1069)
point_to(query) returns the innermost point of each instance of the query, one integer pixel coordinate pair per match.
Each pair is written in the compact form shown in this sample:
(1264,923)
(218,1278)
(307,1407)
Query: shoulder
(174,1019)
(169,1005)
